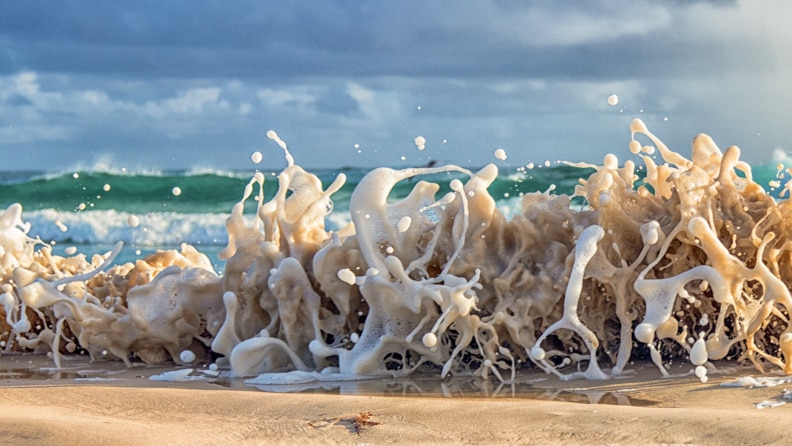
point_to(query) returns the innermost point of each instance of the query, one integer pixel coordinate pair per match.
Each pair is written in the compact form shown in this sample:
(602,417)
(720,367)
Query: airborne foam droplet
(176,191)
(106,187)
(61,226)
(133,221)
(256,157)
(420,142)
(500,154)
(613,99)
(70,251)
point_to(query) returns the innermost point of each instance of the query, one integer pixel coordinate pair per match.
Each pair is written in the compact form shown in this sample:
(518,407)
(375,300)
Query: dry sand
(57,408)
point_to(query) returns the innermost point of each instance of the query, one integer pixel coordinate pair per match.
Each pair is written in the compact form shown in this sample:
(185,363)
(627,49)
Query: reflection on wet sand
(463,387)
(36,370)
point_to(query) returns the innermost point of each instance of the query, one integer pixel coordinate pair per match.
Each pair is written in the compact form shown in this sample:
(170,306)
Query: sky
(189,84)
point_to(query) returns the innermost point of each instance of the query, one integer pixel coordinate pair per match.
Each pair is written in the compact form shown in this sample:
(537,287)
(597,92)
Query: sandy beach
(127,408)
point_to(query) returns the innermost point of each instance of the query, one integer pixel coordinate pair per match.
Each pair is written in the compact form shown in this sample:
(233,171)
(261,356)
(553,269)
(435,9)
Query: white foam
(420,142)
(105,227)
(176,376)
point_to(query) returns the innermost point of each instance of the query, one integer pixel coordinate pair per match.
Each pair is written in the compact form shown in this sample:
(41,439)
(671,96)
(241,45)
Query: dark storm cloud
(302,39)
(179,81)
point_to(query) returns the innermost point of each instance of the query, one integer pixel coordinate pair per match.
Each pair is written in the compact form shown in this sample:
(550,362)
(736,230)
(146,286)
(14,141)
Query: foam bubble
(698,354)
(404,223)
(420,142)
(187,356)
(429,340)
(347,276)
(133,221)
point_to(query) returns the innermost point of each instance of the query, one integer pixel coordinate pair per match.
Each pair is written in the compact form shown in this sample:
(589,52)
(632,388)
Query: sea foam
(692,260)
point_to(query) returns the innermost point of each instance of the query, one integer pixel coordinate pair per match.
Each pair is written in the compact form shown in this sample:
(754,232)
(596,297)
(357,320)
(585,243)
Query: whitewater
(91,209)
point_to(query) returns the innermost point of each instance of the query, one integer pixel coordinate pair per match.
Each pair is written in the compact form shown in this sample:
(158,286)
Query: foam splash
(693,262)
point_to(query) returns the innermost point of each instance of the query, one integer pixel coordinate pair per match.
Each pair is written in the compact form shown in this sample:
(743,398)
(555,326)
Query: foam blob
(176,191)
(698,354)
(613,99)
(420,142)
(174,376)
(500,154)
(256,157)
(429,340)
(404,224)
(187,356)
(347,276)
(645,332)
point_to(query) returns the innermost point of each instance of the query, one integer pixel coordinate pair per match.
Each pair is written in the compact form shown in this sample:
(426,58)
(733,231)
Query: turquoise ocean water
(91,210)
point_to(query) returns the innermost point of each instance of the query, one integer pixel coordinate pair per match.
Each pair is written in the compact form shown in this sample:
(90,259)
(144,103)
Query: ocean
(90,210)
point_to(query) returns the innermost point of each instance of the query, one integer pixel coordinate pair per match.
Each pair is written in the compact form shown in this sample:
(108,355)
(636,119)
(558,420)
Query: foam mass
(692,261)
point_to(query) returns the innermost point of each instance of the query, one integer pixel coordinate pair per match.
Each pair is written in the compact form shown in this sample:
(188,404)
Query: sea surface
(90,210)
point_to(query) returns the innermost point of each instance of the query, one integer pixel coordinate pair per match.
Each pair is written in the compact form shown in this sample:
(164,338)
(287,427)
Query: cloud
(193,101)
(296,98)
(410,38)
(186,80)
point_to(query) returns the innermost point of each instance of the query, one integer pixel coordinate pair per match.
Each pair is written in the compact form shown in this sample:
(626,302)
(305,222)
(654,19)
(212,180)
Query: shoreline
(134,410)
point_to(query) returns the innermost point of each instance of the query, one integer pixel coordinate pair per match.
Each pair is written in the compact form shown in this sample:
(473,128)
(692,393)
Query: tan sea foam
(692,261)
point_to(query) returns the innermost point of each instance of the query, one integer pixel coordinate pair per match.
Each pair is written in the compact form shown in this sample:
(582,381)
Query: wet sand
(124,407)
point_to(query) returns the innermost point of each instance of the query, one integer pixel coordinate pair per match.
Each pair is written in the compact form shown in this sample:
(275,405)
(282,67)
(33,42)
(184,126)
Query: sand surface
(105,404)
